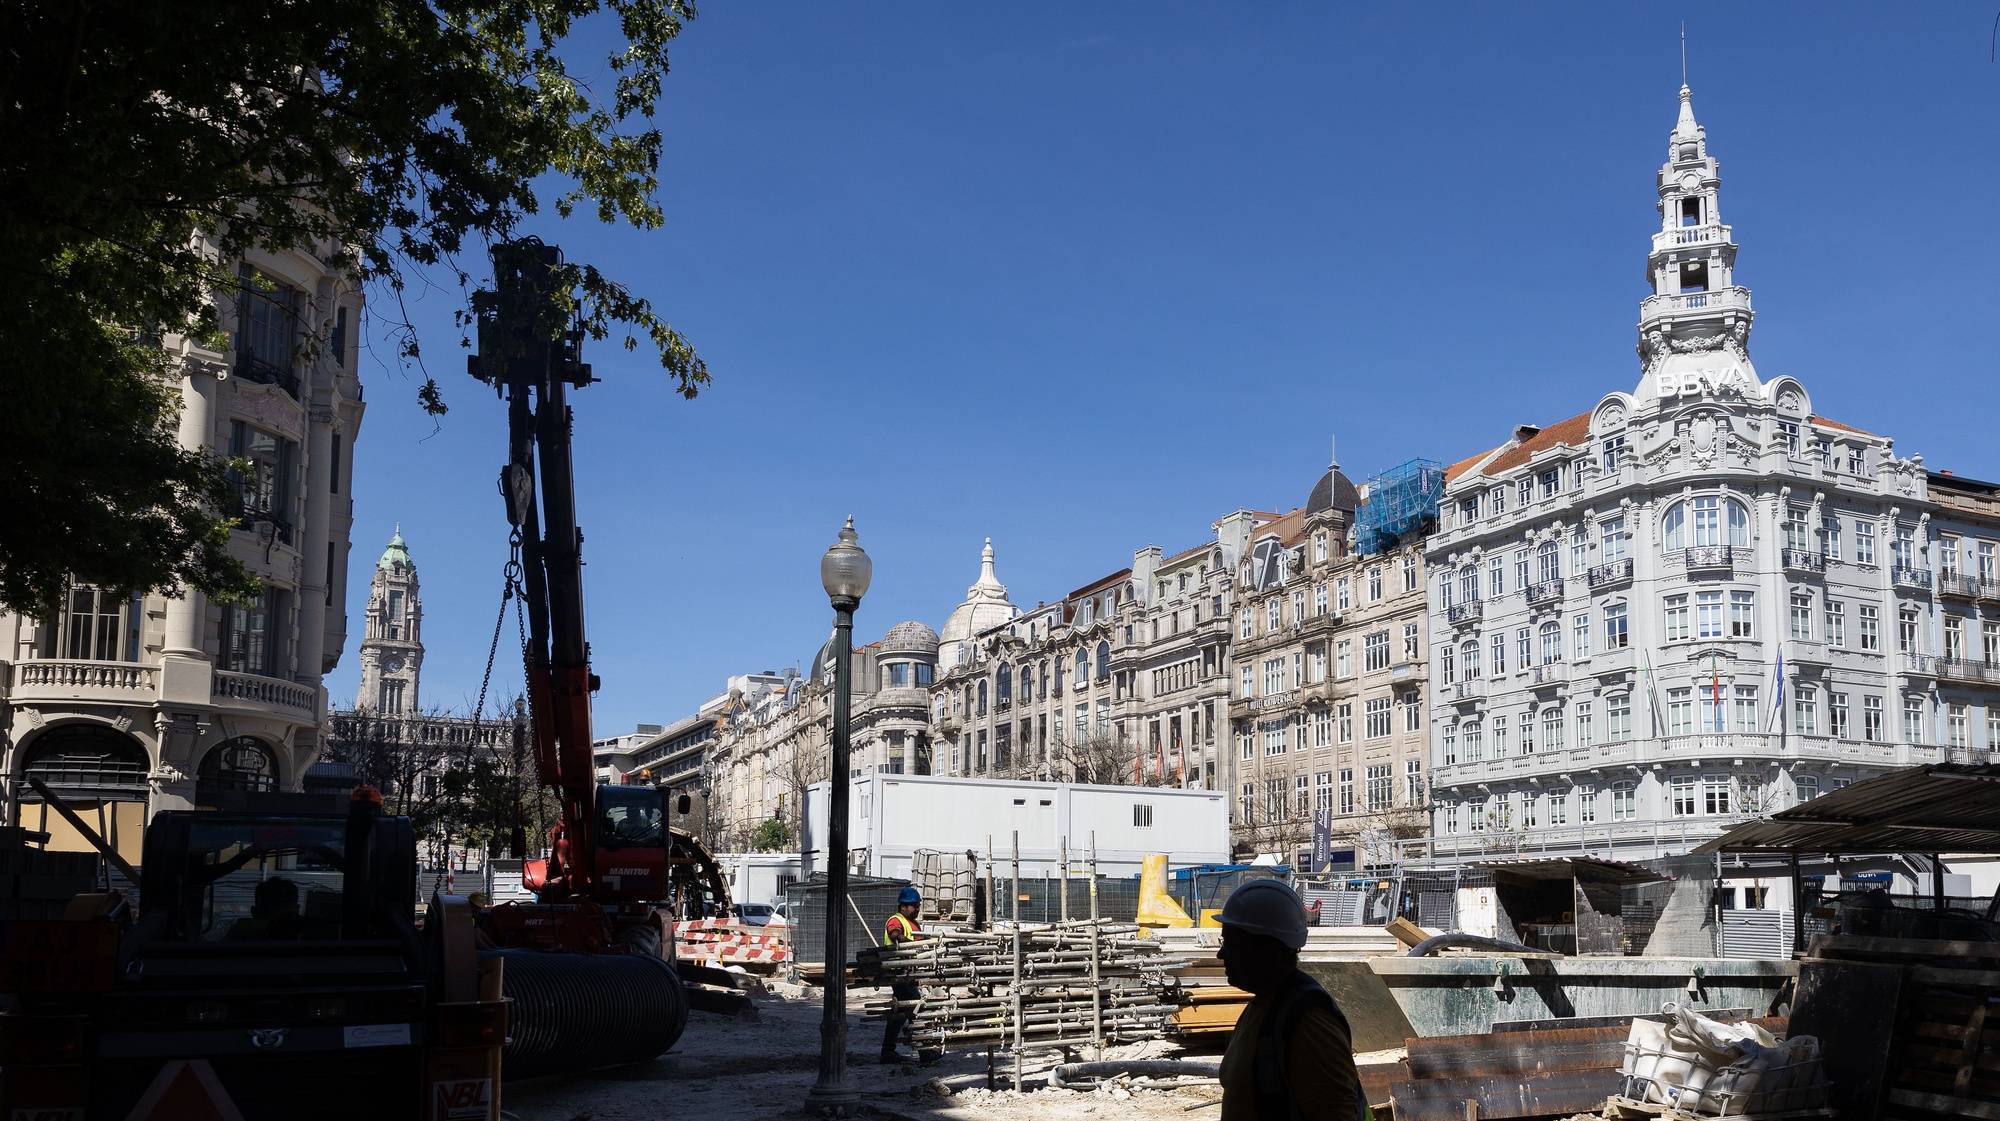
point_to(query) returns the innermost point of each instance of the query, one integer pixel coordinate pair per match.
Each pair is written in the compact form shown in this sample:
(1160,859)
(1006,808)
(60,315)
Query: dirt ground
(726,1067)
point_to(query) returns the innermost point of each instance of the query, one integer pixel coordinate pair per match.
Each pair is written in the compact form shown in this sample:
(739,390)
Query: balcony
(1609,575)
(1719,301)
(1911,579)
(1721,743)
(69,681)
(1464,612)
(1467,691)
(1708,557)
(253,369)
(240,690)
(1548,591)
(1804,560)
(1967,670)
(1711,234)
(1917,665)
(1549,674)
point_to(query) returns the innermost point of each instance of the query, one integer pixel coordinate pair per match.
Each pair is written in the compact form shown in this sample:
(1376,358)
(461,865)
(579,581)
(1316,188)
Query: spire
(989,585)
(1685,127)
(1333,453)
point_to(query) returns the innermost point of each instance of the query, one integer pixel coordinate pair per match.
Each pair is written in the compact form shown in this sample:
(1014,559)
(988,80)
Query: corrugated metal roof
(1944,807)
(1566,867)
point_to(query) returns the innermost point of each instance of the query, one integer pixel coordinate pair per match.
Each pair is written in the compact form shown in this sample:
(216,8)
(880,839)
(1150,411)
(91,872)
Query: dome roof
(397,554)
(1334,491)
(910,637)
(822,663)
(986,605)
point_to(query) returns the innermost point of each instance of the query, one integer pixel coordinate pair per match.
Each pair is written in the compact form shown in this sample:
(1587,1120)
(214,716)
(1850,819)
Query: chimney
(1525,432)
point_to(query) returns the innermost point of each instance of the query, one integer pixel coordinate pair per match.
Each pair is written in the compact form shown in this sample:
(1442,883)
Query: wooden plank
(1936,1103)
(1406,932)
(1969,1049)
(1852,1008)
(1956,978)
(1377,1078)
(1541,1095)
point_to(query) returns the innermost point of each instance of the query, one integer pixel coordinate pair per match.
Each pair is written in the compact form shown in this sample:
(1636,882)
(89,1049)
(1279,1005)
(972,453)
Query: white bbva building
(1611,594)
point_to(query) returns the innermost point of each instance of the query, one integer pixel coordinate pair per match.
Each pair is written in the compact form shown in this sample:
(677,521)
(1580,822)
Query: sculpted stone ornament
(165,775)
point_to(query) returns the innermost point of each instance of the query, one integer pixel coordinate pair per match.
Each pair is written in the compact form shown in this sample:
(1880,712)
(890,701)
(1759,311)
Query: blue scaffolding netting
(1398,505)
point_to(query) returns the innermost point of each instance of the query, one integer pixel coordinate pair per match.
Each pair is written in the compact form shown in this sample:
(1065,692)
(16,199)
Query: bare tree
(805,763)
(1103,759)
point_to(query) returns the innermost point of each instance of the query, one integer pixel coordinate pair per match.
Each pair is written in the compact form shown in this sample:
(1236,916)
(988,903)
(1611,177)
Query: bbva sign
(1705,382)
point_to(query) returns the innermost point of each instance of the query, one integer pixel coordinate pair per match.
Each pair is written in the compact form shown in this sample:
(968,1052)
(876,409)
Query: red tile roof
(1574,432)
(1828,422)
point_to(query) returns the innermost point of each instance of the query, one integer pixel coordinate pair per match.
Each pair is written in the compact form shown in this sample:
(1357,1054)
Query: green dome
(397,554)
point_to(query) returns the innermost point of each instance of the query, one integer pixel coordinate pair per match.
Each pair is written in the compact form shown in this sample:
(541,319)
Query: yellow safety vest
(909,928)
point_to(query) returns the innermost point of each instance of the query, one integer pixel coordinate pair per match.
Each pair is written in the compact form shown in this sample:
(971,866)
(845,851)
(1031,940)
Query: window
(1499,736)
(1700,522)
(1871,637)
(1913,719)
(1986,569)
(1744,715)
(1448,745)
(1715,797)
(1624,801)
(1381,787)
(1579,556)
(1520,569)
(1274,799)
(95,626)
(1802,616)
(1299,606)
(264,492)
(266,321)
(1614,627)
(1906,630)
(1302,795)
(1836,714)
(1498,499)
(1580,635)
(1836,623)
(1611,452)
(1798,537)
(1346,791)
(1524,491)
(1377,714)
(252,635)
(1558,808)
(1680,712)
(1245,630)
(1410,573)
(1586,805)
(1344,722)
(1618,717)
(1524,647)
(1682,798)
(1249,687)
(1549,562)
(1246,743)
(1413,781)
(1409,642)
(1871,718)
(1274,676)
(1247,802)
(1444,590)
(1552,642)
(1448,664)
(1319,548)
(1323,792)
(1274,613)
(1675,618)
(1375,651)
(1468,655)
(1829,535)
(1499,645)
(1864,541)
(1954,638)
(1322,731)
(1586,731)
(1496,578)
(1611,540)
(1788,435)
(1551,481)
(1343,658)
(1805,711)
(1374,584)
(1552,728)
(1274,737)
(1527,731)
(1083,669)
(1341,599)
(1476,814)
(1317,663)
(1708,614)
(1990,642)
(1142,815)
(1449,815)
(1413,719)
(1319,600)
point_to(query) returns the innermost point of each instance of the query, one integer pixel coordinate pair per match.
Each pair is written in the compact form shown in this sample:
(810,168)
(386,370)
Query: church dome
(985,605)
(397,555)
(910,637)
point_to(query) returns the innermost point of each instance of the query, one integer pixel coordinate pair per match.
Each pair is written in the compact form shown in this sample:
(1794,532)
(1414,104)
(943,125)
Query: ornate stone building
(129,705)
(1613,595)
(1966,544)
(392,640)
(1328,710)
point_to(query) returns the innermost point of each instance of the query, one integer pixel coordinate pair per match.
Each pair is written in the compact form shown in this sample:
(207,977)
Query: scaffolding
(1398,505)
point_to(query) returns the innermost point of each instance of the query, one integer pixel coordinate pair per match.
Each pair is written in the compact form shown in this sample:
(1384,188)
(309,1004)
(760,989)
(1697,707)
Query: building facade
(127,705)
(1966,545)
(1698,601)
(1328,716)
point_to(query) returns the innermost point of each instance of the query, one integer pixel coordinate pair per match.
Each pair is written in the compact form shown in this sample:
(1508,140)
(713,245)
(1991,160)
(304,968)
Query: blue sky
(1083,278)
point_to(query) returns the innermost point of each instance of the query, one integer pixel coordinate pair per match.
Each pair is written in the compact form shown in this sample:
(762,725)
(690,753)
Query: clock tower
(392,647)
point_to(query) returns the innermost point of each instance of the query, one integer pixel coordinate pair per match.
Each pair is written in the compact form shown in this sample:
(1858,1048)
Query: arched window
(981,710)
(1552,642)
(1705,520)
(1082,667)
(240,764)
(1468,583)
(1468,655)
(101,774)
(1103,660)
(1003,685)
(1548,562)
(1475,741)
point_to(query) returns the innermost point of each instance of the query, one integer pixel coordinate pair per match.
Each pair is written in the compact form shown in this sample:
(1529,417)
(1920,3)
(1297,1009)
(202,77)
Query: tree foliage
(144,148)
(771,835)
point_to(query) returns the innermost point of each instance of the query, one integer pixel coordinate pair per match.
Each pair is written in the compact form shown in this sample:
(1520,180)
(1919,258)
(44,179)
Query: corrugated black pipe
(1086,1076)
(1459,940)
(573,1012)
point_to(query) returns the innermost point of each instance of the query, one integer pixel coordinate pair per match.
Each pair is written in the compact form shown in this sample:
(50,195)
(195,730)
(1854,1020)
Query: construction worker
(902,927)
(1291,1056)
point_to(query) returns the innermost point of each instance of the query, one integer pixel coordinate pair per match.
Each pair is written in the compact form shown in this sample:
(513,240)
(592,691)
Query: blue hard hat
(909,895)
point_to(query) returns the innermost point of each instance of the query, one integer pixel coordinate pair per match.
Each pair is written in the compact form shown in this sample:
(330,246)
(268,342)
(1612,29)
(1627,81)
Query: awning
(1940,808)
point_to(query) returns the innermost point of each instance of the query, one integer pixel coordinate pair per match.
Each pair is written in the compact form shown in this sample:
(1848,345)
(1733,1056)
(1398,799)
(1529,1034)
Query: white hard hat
(1268,907)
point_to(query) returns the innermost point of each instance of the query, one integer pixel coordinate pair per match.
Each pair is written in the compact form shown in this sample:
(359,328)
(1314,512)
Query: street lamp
(844,572)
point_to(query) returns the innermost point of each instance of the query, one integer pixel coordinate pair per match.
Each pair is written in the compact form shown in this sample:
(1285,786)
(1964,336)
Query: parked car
(754,914)
(779,915)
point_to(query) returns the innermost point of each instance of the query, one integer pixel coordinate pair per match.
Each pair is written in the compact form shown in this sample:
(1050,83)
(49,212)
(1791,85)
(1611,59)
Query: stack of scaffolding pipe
(971,998)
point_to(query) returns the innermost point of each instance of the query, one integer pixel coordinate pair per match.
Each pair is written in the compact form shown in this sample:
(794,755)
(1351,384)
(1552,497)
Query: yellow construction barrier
(1156,907)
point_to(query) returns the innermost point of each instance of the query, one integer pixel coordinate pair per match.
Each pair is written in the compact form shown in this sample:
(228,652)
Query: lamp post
(844,572)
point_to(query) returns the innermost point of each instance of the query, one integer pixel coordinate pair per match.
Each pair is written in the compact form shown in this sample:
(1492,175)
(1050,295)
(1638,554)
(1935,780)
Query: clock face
(392,664)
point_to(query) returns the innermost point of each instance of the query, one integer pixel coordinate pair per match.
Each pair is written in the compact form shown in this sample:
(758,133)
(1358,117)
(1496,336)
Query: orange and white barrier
(722,940)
